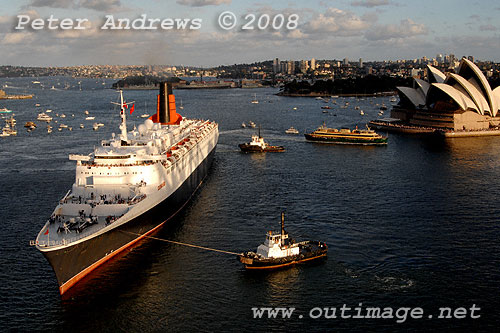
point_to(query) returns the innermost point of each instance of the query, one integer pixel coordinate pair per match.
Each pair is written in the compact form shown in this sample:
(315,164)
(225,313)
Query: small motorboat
(30,125)
(44,117)
(292,130)
(279,251)
(243,125)
(96,126)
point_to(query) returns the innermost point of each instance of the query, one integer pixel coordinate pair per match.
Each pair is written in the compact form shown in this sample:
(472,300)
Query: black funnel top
(165,90)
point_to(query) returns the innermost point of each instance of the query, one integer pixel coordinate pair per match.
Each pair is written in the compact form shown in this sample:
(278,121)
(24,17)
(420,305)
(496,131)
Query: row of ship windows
(125,173)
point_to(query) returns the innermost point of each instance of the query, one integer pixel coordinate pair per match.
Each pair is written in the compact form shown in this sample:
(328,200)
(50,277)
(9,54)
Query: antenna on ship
(282,227)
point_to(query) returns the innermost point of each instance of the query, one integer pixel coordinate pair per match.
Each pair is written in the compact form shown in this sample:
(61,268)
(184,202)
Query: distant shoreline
(314,94)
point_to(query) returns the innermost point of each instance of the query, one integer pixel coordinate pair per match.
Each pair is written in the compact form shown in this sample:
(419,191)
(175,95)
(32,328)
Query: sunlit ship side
(126,189)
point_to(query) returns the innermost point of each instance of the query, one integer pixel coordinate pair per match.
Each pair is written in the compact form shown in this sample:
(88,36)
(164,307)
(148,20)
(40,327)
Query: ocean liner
(128,188)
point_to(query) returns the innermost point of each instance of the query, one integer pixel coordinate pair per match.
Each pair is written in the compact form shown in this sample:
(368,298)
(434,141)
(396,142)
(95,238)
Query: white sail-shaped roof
(469,70)
(473,92)
(496,94)
(463,101)
(424,85)
(415,96)
(435,75)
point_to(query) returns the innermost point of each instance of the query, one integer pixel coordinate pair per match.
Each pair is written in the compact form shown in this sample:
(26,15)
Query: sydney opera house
(456,101)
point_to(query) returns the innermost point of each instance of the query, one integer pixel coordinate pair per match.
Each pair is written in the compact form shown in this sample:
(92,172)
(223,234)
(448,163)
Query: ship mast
(282,227)
(123,116)
(123,125)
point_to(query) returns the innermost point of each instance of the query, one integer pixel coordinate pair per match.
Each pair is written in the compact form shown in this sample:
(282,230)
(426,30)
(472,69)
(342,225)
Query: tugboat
(346,136)
(258,145)
(279,251)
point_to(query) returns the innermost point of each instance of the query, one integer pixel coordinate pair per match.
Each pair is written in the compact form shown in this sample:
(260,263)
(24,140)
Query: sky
(322,29)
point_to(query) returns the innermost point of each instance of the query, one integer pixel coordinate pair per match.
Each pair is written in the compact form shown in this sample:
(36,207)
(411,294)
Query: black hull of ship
(74,262)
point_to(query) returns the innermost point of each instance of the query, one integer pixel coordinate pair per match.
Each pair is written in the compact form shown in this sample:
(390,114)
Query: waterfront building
(458,101)
(276,65)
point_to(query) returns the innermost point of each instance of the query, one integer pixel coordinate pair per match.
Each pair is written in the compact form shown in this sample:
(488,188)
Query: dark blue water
(413,224)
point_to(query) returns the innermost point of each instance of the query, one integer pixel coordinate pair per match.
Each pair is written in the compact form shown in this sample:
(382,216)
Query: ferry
(292,130)
(126,189)
(346,136)
(279,251)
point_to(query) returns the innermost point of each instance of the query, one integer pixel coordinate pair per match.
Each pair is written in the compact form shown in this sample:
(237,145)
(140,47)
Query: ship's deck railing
(66,241)
(93,164)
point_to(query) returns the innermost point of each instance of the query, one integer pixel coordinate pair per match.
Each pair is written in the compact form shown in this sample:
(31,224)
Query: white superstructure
(126,176)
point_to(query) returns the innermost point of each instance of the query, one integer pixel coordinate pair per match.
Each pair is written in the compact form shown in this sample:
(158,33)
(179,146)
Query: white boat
(144,115)
(62,115)
(292,130)
(5,110)
(126,189)
(89,118)
(254,100)
(10,128)
(362,112)
(243,125)
(63,126)
(44,117)
(86,112)
(82,126)
(96,126)
(251,124)
(48,111)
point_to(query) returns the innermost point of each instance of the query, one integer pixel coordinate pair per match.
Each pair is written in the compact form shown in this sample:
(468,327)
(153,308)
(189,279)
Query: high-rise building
(313,64)
(360,62)
(290,68)
(276,65)
(346,62)
(304,66)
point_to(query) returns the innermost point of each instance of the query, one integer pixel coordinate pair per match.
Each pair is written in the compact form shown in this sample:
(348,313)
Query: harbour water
(412,224)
